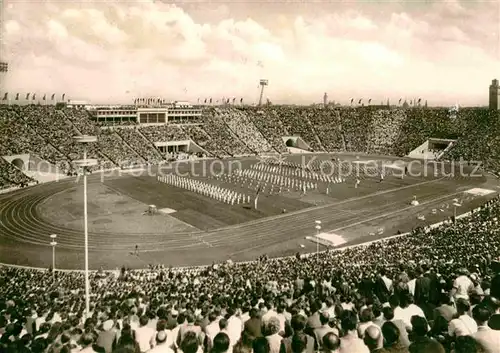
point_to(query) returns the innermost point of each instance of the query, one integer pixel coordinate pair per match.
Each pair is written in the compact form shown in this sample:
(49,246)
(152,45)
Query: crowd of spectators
(218,131)
(240,123)
(11,177)
(435,290)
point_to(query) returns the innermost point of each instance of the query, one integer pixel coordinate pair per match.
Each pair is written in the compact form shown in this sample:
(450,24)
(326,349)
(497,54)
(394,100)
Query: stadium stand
(47,132)
(412,293)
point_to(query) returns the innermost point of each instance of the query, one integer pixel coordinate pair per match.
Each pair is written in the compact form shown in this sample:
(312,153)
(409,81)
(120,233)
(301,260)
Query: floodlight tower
(263,83)
(85,164)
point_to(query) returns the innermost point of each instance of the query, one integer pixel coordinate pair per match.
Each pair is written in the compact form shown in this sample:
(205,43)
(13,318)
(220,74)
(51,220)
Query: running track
(24,235)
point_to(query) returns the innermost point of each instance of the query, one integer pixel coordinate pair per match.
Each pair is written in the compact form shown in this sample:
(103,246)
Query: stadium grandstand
(434,289)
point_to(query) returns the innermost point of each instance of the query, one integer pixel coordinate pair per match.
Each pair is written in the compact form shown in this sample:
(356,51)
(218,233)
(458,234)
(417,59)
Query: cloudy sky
(113,50)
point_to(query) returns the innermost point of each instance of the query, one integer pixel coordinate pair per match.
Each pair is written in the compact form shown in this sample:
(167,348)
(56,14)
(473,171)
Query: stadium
(222,225)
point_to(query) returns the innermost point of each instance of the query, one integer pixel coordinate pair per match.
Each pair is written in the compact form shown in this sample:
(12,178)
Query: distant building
(78,104)
(148,111)
(495,95)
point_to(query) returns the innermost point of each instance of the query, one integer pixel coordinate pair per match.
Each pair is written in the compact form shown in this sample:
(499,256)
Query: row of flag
(160,101)
(399,102)
(32,96)
(223,100)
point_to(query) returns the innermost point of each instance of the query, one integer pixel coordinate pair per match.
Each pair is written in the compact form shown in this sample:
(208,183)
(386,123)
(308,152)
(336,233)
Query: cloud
(100,50)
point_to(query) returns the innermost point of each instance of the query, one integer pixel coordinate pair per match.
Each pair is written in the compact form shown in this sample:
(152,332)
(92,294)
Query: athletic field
(193,229)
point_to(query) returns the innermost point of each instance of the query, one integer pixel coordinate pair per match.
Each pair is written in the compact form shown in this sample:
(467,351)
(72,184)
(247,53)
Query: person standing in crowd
(350,342)
(162,345)
(488,339)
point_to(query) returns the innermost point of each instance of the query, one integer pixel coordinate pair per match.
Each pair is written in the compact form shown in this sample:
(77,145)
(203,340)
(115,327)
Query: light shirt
(143,337)
(234,328)
(408,312)
(411,286)
(464,286)
(462,326)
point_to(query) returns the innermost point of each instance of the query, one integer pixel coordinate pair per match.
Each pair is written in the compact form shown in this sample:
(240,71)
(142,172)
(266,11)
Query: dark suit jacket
(286,345)
(254,327)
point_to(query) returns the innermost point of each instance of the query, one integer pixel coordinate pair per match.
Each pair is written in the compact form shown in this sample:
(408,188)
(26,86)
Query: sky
(112,51)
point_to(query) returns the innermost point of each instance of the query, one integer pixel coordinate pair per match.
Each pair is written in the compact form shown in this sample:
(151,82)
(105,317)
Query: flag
(5,96)
(53,96)
(17,96)
(63,95)
(27,96)
(44,97)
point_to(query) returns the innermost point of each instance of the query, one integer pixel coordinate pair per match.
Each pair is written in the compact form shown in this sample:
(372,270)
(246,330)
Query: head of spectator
(254,313)
(273,326)
(331,343)
(388,313)
(391,333)
(298,323)
(223,324)
(465,344)
(143,320)
(481,314)
(349,322)
(419,325)
(373,338)
(221,343)
(161,337)
(324,317)
(190,343)
(366,315)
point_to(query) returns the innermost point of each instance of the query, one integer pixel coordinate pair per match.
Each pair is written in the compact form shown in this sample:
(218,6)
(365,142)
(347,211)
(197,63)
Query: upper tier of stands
(227,131)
